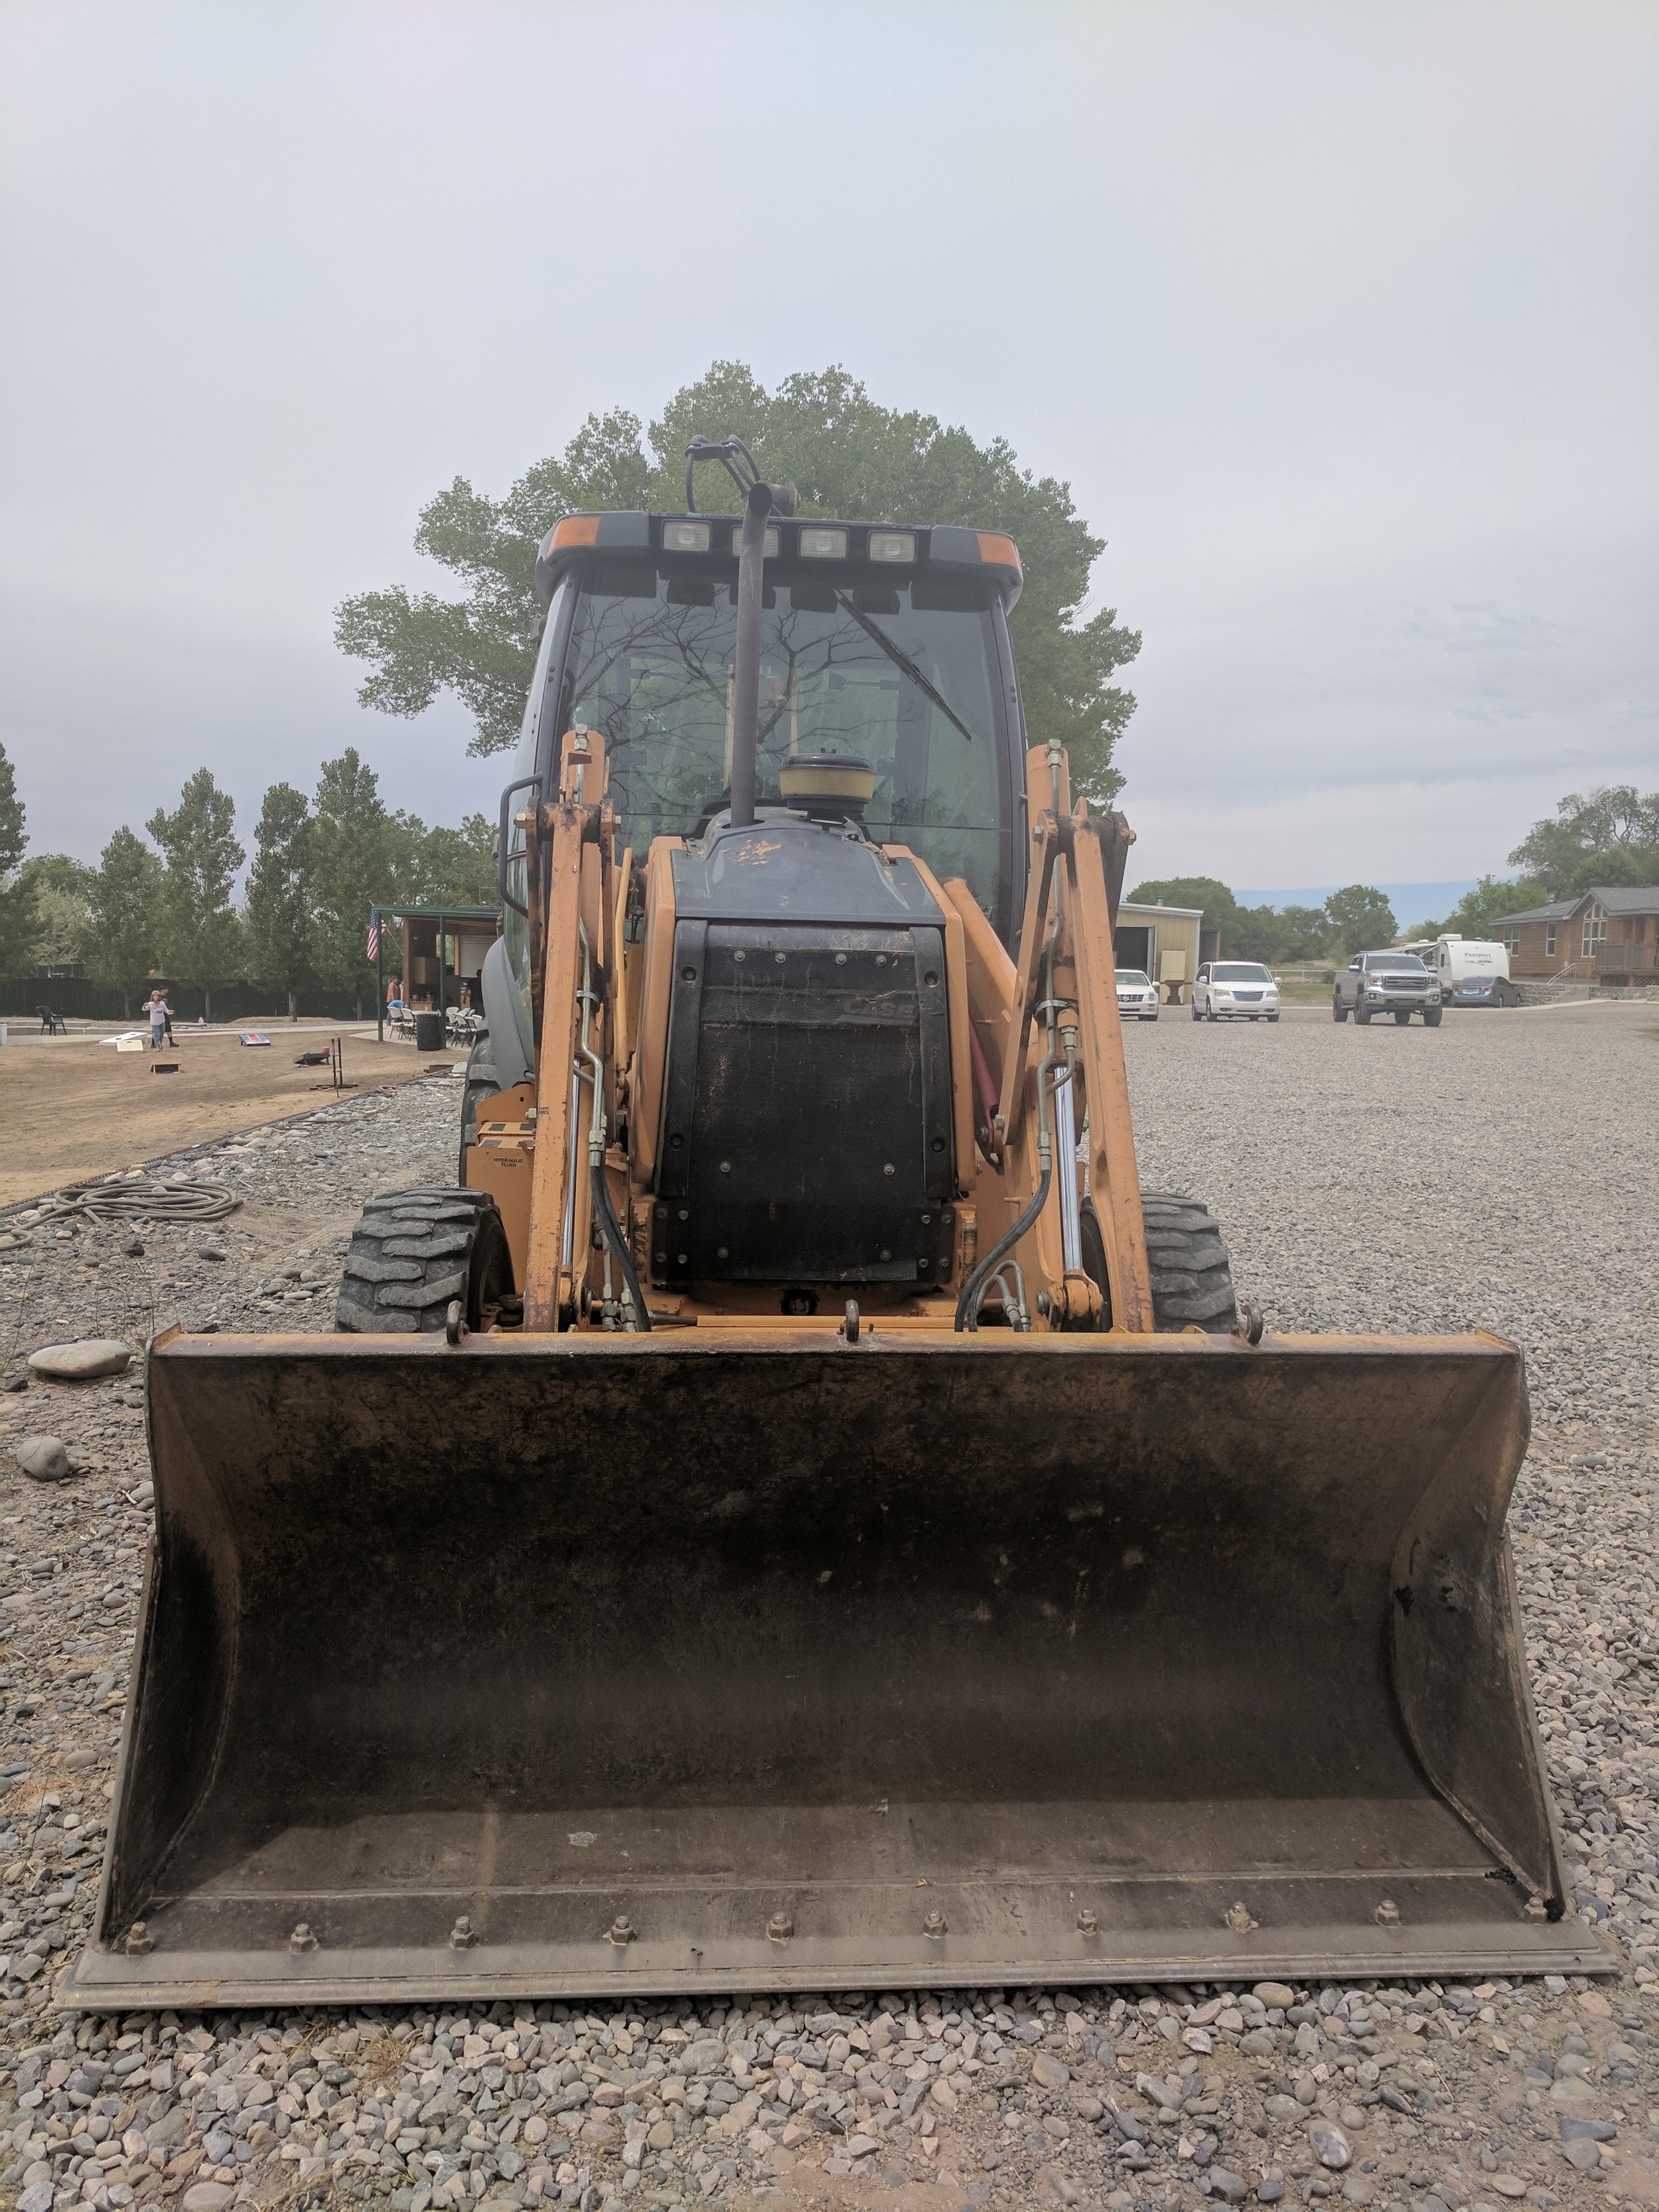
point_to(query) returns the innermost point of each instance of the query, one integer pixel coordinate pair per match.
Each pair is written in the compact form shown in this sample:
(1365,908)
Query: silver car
(1386,983)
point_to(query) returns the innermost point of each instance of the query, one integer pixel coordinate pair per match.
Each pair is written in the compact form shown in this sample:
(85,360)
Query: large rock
(44,1459)
(1329,2143)
(82,1362)
(1049,2072)
(207,2196)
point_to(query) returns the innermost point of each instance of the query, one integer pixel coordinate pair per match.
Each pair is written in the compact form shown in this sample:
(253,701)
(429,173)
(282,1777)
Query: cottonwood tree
(846,454)
(1360,919)
(201,934)
(450,867)
(1611,838)
(1479,910)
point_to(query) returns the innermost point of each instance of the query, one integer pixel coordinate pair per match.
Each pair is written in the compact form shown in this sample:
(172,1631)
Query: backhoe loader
(796,1515)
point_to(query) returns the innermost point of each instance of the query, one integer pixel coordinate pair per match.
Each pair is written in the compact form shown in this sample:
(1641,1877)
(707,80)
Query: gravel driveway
(1497,1172)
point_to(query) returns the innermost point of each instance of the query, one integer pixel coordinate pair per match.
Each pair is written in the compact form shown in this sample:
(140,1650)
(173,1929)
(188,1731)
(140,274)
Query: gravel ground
(1495,1173)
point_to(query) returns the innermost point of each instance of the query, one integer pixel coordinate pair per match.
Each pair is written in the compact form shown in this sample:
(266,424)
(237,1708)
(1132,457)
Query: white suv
(1136,995)
(1234,991)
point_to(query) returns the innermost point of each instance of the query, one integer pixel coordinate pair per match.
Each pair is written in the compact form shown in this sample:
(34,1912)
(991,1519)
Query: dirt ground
(74,1106)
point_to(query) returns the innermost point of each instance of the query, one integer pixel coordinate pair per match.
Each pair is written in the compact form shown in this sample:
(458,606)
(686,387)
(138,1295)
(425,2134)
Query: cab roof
(708,542)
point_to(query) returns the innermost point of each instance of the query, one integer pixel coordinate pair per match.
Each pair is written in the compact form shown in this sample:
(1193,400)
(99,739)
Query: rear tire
(1197,1017)
(413,1252)
(1339,1011)
(481,1084)
(1191,1268)
(1361,1014)
(1401,1017)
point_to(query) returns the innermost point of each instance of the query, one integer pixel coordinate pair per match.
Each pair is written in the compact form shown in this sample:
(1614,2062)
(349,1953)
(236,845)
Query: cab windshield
(649,667)
(1239,971)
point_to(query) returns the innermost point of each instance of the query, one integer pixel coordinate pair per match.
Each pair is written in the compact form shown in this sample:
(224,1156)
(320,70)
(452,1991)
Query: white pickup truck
(1473,971)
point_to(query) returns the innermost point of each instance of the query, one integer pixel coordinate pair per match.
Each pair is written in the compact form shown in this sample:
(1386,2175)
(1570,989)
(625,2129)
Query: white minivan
(1235,991)
(1474,972)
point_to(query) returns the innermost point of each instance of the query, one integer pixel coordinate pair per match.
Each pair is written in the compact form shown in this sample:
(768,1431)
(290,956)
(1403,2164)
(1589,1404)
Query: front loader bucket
(710,1660)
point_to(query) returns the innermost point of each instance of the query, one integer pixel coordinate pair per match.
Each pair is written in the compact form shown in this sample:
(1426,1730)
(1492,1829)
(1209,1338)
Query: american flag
(374,932)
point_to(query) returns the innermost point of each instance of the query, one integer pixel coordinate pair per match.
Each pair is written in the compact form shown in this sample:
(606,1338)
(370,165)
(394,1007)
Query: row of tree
(168,907)
(1350,921)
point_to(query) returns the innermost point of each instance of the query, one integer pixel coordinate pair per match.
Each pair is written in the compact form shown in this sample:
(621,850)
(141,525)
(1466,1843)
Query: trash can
(428,1032)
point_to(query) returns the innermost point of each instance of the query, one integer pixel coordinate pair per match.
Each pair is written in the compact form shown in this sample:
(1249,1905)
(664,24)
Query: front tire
(1431,1018)
(1192,1271)
(414,1253)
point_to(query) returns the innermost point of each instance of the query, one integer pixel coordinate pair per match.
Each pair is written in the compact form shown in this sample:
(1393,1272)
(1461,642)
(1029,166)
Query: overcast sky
(1340,321)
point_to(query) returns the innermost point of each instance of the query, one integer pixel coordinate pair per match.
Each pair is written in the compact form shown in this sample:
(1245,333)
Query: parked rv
(1473,971)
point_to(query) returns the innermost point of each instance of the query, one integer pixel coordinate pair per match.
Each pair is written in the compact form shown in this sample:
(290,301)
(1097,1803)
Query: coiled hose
(140,1199)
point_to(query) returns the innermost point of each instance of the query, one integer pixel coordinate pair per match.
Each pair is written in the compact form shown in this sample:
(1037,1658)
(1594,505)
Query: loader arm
(1068,925)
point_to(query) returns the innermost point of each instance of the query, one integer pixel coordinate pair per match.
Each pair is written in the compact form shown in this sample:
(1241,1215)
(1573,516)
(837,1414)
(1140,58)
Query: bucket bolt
(139,1941)
(780,1927)
(302,1939)
(462,1935)
(1238,1918)
(1536,1910)
(1087,1923)
(1387,1914)
(933,1924)
(1251,1323)
(622,1930)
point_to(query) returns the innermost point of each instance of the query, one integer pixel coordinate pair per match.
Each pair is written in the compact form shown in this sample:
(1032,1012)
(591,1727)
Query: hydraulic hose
(604,1213)
(611,1229)
(967,1316)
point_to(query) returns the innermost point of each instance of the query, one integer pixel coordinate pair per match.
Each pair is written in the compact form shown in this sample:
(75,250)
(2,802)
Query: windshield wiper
(902,660)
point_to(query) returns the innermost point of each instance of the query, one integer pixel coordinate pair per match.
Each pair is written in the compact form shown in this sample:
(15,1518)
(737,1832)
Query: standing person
(157,1009)
(167,1018)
